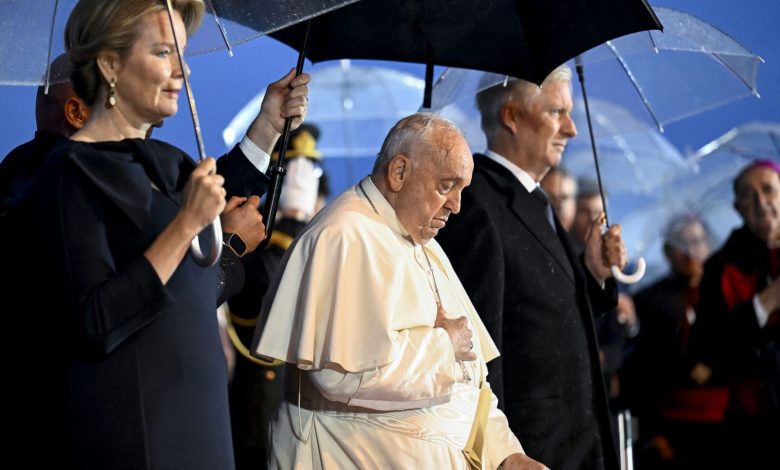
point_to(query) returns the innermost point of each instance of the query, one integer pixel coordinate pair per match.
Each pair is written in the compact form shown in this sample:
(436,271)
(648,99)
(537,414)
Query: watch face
(236,244)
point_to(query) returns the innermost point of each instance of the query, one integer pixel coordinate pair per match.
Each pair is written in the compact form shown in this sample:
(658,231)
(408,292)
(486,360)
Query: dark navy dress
(123,372)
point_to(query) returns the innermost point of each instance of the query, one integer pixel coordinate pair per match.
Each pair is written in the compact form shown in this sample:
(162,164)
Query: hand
(701,373)
(519,461)
(203,197)
(603,251)
(460,334)
(626,311)
(285,98)
(242,218)
(770,296)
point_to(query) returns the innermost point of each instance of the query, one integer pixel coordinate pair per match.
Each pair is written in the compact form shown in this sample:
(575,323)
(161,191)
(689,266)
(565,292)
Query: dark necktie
(541,196)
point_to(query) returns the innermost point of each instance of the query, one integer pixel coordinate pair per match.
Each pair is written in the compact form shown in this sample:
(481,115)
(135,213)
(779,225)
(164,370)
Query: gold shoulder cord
(243,350)
(283,241)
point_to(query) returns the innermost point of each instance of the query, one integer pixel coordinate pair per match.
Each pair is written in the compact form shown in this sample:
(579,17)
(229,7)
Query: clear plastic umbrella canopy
(706,191)
(32,31)
(659,77)
(751,140)
(353,105)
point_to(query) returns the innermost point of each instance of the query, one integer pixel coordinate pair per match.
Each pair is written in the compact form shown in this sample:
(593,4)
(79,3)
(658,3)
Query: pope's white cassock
(371,383)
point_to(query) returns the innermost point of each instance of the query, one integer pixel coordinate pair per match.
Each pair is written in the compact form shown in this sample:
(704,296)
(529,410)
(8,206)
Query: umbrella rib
(775,140)
(631,158)
(221,28)
(638,88)
(48,54)
(652,41)
(725,64)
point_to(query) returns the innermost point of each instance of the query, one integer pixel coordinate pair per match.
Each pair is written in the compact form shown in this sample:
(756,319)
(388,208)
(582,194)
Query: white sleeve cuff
(762,316)
(256,156)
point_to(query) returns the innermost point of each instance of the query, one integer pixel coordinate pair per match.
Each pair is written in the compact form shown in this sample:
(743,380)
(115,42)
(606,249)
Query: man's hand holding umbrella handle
(605,254)
(459,333)
(285,98)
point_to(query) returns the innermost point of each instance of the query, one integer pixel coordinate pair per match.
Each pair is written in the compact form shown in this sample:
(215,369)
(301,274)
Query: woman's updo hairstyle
(112,25)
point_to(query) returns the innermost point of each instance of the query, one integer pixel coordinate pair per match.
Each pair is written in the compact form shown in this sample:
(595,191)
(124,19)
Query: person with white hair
(385,353)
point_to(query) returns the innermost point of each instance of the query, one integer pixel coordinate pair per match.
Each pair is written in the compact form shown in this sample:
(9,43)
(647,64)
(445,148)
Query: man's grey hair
(490,100)
(673,233)
(408,133)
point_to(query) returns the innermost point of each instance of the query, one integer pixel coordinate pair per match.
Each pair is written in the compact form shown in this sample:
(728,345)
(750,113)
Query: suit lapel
(527,210)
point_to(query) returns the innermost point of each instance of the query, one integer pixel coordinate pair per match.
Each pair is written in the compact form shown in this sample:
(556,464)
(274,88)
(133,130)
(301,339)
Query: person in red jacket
(737,333)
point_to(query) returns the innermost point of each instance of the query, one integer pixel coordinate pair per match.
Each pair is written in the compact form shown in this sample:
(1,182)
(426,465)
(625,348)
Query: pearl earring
(111,93)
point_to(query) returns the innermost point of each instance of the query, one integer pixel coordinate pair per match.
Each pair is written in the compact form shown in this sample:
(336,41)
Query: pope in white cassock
(385,352)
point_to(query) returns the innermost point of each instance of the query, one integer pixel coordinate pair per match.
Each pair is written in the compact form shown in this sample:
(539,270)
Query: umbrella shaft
(278,171)
(581,75)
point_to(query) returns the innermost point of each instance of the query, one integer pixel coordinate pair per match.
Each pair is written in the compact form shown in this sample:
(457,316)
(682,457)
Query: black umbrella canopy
(521,38)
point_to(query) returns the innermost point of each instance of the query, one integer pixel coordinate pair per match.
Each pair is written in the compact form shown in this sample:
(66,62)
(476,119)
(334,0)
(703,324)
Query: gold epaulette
(280,239)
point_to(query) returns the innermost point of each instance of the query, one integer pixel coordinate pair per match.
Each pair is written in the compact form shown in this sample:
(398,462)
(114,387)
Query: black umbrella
(521,38)
(515,37)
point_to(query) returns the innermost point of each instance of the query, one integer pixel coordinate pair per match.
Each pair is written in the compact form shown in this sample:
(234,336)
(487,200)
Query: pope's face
(440,170)
(150,78)
(758,202)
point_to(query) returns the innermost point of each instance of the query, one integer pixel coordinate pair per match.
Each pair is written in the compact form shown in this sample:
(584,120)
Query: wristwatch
(235,243)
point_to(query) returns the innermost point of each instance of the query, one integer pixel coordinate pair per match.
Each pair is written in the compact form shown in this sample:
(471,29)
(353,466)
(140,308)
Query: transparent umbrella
(354,106)
(32,31)
(706,190)
(661,77)
(751,140)
(32,34)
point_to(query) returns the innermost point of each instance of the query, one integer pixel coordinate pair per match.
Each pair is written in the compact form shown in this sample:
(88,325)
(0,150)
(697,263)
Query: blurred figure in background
(615,331)
(679,417)
(257,390)
(323,192)
(588,206)
(58,115)
(561,189)
(737,331)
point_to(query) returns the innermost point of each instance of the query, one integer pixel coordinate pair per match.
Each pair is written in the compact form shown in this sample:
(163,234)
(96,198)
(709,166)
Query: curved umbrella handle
(211,258)
(630,278)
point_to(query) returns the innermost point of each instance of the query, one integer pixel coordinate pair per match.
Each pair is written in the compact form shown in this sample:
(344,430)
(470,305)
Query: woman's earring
(111,93)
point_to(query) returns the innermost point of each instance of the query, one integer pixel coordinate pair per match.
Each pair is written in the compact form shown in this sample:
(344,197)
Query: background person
(257,390)
(737,330)
(561,189)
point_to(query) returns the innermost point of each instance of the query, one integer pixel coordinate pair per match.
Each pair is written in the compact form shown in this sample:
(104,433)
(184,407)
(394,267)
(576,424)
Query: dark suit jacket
(534,296)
